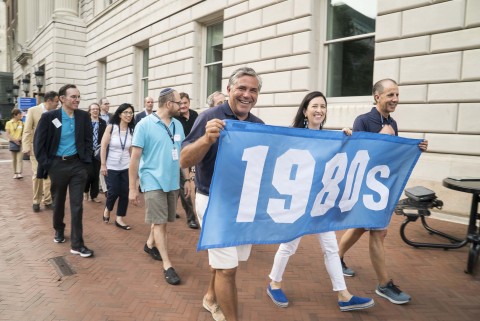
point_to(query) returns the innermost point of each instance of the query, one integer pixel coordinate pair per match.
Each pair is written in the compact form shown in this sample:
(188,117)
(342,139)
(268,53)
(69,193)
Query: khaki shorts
(226,257)
(161,207)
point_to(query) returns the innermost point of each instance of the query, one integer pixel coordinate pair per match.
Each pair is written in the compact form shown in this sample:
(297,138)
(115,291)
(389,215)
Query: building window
(351,44)
(213,57)
(144,82)
(101,78)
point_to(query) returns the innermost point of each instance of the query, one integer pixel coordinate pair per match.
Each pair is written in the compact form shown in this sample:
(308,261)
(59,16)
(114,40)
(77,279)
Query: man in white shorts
(200,149)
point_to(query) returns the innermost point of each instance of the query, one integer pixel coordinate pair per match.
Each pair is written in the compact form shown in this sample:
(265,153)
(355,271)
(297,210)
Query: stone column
(66,8)
(46,10)
(22,22)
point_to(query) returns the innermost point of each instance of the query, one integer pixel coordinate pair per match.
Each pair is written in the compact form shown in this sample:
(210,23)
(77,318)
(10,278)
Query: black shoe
(124,227)
(83,251)
(177,215)
(154,252)
(171,276)
(49,206)
(59,237)
(193,225)
(36,208)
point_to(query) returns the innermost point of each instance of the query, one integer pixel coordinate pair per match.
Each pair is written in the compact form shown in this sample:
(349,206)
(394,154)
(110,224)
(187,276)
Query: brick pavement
(122,283)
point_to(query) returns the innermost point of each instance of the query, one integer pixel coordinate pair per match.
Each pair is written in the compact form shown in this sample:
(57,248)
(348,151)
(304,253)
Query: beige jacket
(33,117)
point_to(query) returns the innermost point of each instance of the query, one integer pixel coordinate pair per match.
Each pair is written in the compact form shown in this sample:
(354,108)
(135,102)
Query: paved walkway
(122,283)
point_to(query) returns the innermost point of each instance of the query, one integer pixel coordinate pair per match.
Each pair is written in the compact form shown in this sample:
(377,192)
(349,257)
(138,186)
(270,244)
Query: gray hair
(212,96)
(244,71)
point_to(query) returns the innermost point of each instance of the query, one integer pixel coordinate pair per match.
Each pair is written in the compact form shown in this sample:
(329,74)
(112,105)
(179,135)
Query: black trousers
(93,178)
(71,175)
(186,201)
(117,185)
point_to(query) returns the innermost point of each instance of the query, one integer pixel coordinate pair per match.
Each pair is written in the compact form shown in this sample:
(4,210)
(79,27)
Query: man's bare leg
(151,238)
(377,255)
(349,238)
(160,235)
(210,295)
(226,292)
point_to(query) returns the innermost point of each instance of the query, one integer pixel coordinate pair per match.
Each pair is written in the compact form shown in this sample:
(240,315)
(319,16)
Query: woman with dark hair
(14,130)
(115,159)
(93,180)
(312,115)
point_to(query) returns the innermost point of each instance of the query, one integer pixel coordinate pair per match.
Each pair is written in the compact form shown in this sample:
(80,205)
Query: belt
(69,157)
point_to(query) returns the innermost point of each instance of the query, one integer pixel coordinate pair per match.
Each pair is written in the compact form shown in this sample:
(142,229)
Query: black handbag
(13,147)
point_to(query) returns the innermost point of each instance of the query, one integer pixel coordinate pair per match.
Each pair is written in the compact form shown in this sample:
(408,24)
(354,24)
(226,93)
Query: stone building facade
(127,49)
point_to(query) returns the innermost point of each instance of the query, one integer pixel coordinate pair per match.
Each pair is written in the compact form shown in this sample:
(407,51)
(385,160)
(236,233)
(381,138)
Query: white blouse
(118,157)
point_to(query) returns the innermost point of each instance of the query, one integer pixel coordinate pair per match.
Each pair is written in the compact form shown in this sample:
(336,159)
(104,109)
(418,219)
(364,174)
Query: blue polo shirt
(373,122)
(204,169)
(158,170)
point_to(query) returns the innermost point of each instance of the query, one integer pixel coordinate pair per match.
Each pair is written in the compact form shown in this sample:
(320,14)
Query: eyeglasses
(176,102)
(127,113)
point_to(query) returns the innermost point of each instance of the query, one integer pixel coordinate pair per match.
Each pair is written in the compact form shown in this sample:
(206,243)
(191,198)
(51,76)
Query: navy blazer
(47,139)
(102,125)
(140,116)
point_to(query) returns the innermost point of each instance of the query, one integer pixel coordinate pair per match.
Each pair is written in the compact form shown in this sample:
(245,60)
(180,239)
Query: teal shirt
(158,170)
(67,145)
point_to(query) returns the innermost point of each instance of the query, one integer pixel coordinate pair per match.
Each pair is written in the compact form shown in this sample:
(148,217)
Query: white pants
(226,257)
(329,245)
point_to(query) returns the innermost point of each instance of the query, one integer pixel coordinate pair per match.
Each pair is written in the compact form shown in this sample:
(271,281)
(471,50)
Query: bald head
(379,86)
(148,104)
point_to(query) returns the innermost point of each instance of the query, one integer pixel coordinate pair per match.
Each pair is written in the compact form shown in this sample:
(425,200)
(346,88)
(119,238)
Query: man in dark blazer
(147,111)
(63,147)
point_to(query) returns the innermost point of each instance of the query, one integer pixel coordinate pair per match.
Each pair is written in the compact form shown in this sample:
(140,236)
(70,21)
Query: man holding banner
(200,149)
(378,120)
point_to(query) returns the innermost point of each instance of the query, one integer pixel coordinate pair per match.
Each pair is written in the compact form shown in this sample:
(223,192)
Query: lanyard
(167,129)
(122,144)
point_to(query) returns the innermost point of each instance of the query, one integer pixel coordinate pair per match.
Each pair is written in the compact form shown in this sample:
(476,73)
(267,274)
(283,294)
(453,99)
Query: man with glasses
(187,118)
(105,115)
(41,187)
(63,146)
(104,108)
(157,140)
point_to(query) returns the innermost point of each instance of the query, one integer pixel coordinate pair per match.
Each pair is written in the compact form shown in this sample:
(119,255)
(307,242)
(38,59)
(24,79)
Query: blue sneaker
(278,297)
(356,303)
(392,293)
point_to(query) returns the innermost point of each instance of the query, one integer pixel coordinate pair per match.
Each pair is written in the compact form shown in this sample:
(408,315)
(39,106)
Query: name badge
(174,154)
(176,137)
(56,122)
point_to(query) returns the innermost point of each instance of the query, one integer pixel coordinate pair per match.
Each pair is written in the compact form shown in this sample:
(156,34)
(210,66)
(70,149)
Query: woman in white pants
(312,114)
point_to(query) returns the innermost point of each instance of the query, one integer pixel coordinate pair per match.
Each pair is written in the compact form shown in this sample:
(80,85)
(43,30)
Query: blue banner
(273,184)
